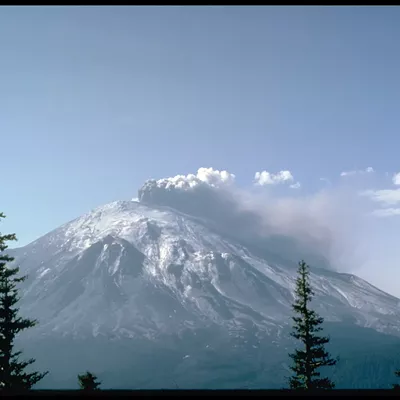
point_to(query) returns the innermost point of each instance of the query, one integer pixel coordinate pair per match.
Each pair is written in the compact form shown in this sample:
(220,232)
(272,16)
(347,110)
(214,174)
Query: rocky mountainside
(159,284)
(129,269)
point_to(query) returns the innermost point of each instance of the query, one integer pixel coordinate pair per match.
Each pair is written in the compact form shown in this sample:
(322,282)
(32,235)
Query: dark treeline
(307,359)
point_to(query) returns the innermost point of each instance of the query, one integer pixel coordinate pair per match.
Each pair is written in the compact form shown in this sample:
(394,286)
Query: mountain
(167,290)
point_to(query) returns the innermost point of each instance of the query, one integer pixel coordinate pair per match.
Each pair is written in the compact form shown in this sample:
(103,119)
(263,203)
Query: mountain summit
(165,275)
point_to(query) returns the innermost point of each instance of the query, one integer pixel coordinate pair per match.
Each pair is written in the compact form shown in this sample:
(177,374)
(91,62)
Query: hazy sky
(95,100)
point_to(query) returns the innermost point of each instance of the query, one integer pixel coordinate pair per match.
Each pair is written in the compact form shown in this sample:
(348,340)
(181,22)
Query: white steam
(368,170)
(337,221)
(384,197)
(209,176)
(320,222)
(266,178)
(296,185)
(396,179)
(386,212)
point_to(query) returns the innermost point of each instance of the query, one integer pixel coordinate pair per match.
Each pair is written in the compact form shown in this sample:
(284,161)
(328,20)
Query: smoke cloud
(267,178)
(338,226)
(206,176)
(318,226)
(368,170)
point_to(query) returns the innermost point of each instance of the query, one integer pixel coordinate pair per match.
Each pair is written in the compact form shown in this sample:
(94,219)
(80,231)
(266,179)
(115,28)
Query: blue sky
(95,100)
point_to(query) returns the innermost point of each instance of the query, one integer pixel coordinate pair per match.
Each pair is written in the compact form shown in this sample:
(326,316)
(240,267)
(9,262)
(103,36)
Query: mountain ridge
(138,275)
(169,241)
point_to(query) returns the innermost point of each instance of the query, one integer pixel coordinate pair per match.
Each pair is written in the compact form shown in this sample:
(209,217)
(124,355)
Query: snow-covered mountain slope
(181,286)
(136,269)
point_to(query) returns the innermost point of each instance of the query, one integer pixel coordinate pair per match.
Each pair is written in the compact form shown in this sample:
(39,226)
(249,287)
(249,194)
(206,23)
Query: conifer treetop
(307,323)
(89,381)
(12,370)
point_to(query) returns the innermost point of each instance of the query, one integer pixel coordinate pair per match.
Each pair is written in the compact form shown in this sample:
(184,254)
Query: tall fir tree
(89,382)
(12,370)
(307,324)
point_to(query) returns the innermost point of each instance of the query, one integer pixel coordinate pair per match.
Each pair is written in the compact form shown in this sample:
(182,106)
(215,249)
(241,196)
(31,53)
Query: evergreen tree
(12,370)
(307,324)
(88,381)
